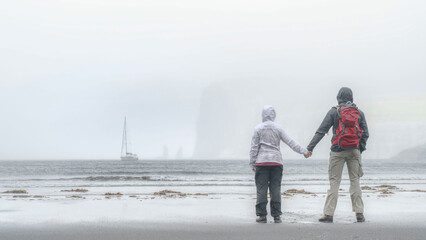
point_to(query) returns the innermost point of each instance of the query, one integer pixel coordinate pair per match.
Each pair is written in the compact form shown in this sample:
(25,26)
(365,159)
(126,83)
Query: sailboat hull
(129,159)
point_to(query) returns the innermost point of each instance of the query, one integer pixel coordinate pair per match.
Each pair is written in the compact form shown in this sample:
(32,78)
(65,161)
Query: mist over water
(192,76)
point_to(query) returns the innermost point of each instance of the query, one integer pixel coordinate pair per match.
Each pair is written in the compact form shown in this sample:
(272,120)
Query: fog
(192,76)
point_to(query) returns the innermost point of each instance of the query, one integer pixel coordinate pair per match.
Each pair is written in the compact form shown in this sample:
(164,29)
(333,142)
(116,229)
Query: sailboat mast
(125,155)
(124,141)
(125,131)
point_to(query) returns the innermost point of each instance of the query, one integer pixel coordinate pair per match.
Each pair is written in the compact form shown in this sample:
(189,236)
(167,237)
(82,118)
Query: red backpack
(348,133)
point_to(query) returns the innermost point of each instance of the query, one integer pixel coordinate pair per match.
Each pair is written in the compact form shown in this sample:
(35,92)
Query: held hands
(308,154)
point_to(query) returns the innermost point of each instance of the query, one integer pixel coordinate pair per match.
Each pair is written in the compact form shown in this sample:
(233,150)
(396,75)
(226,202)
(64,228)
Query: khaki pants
(337,161)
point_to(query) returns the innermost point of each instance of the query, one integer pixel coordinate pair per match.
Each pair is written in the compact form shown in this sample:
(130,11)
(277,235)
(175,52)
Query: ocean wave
(204,178)
(115,178)
(93,178)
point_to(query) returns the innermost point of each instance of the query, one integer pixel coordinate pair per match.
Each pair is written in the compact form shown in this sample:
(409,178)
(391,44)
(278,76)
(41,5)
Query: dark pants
(268,177)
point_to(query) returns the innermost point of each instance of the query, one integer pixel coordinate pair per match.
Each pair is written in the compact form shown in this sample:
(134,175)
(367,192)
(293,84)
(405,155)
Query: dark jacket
(344,97)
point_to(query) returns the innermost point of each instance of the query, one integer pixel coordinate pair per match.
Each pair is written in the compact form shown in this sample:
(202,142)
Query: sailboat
(125,155)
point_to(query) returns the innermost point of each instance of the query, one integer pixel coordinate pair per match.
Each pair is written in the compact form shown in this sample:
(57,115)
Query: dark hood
(345,95)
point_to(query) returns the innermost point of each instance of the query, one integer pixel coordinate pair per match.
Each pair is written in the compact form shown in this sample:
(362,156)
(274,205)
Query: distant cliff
(416,153)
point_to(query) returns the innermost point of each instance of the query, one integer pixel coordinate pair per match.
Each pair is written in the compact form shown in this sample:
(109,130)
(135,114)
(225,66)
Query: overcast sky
(71,70)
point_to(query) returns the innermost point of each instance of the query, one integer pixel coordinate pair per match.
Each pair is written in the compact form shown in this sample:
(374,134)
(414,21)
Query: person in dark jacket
(338,157)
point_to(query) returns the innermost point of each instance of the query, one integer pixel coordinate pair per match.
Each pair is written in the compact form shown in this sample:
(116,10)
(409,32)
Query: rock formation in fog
(165,152)
(416,153)
(179,153)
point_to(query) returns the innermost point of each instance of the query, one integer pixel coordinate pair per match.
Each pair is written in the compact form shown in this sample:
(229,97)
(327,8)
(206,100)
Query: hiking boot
(360,217)
(326,219)
(277,219)
(261,219)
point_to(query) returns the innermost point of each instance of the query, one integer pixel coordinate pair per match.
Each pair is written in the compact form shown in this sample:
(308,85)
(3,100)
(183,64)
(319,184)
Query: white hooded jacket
(265,144)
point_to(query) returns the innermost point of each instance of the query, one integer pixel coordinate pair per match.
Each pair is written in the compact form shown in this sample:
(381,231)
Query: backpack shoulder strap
(339,108)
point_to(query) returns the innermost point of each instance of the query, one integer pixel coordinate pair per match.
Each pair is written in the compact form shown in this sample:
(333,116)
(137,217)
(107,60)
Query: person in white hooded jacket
(267,163)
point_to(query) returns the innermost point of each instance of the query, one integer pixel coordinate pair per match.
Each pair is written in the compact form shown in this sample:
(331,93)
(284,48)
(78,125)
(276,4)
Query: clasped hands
(308,154)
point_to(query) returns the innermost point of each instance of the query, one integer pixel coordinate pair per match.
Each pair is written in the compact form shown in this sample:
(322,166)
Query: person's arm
(254,150)
(365,134)
(291,143)
(326,124)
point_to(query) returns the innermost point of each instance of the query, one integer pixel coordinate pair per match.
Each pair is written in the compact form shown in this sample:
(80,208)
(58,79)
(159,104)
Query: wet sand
(140,230)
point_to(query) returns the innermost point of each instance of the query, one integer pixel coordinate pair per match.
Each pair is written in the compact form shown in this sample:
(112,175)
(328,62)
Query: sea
(209,176)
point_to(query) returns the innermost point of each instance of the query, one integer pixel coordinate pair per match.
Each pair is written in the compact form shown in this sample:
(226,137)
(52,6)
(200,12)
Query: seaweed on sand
(165,192)
(113,194)
(198,194)
(75,196)
(295,191)
(16,191)
(385,191)
(174,194)
(76,190)
(21,196)
(387,186)
(287,194)
(291,192)
(38,196)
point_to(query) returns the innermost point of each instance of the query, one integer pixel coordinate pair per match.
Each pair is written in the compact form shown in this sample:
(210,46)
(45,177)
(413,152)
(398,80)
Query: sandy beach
(384,204)
(391,212)
(200,200)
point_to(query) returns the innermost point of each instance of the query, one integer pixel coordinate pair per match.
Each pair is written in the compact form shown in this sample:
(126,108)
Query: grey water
(222,173)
